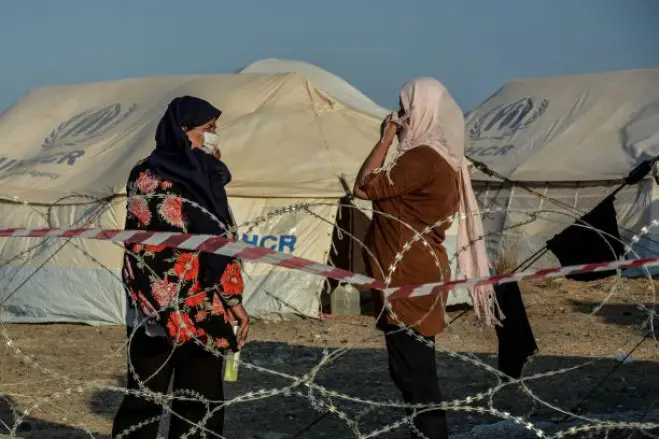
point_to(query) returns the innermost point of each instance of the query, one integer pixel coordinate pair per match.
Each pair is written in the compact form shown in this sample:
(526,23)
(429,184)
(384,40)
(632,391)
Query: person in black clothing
(183,304)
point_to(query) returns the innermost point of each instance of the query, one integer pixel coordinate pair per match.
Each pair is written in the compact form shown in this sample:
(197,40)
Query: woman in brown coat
(418,193)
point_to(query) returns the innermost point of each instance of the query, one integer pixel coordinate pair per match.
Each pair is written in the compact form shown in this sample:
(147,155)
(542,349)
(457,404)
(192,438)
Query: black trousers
(412,366)
(155,361)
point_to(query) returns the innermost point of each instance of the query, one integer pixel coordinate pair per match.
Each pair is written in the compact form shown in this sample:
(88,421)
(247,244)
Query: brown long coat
(424,191)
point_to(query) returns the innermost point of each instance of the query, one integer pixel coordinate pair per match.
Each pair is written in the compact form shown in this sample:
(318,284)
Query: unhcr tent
(72,147)
(65,153)
(571,139)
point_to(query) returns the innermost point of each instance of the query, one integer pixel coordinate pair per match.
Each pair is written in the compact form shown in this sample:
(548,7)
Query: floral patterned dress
(186,293)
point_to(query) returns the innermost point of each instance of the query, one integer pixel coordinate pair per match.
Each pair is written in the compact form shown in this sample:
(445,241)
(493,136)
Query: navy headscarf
(203,175)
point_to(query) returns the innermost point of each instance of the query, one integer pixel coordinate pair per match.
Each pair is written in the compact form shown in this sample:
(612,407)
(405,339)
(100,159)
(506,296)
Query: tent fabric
(572,139)
(333,85)
(573,128)
(285,141)
(55,280)
(281,137)
(78,280)
(517,223)
(65,153)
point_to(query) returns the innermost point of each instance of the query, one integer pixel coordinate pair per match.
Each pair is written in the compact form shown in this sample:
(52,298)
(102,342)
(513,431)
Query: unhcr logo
(75,132)
(87,125)
(505,120)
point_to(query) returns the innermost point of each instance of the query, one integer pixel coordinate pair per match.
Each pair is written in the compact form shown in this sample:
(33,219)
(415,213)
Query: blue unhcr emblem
(86,126)
(505,120)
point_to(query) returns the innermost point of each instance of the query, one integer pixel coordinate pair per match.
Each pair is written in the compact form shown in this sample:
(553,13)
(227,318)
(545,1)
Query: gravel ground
(68,378)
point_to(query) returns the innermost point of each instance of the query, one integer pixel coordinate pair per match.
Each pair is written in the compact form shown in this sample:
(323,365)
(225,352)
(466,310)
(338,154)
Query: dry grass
(509,258)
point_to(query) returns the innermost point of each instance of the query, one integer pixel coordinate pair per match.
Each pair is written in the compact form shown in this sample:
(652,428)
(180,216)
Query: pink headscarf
(434,119)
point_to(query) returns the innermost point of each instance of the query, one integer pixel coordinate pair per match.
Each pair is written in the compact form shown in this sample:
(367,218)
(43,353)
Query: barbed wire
(321,398)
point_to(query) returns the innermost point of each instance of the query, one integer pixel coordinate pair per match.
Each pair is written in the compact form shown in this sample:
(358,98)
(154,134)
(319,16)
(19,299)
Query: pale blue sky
(473,46)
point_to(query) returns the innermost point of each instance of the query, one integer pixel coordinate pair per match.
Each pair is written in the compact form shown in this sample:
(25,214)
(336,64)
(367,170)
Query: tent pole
(531,259)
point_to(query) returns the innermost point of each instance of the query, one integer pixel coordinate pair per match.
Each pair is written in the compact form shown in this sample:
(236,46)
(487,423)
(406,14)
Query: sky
(472,46)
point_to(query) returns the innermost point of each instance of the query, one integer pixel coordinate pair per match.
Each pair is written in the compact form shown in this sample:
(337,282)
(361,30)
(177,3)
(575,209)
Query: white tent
(65,153)
(572,139)
(331,84)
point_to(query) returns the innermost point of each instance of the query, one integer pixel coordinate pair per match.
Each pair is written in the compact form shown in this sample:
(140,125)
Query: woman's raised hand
(388,130)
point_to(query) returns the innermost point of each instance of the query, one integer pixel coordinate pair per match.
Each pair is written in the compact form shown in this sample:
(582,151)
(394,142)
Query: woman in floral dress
(182,303)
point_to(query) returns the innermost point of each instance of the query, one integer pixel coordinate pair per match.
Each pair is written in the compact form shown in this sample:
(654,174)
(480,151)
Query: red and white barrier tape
(206,243)
(226,247)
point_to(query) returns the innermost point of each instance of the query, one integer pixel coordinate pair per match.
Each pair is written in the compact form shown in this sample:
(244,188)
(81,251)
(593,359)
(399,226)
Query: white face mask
(211,140)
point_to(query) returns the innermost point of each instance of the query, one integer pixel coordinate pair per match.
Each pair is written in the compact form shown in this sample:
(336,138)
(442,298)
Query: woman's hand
(376,158)
(388,131)
(240,314)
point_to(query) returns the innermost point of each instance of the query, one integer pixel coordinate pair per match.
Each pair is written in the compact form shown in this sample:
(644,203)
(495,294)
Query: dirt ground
(92,361)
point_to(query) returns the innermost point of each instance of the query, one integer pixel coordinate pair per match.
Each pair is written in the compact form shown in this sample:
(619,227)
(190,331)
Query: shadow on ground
(362,373)
(628,315)
(32,427)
